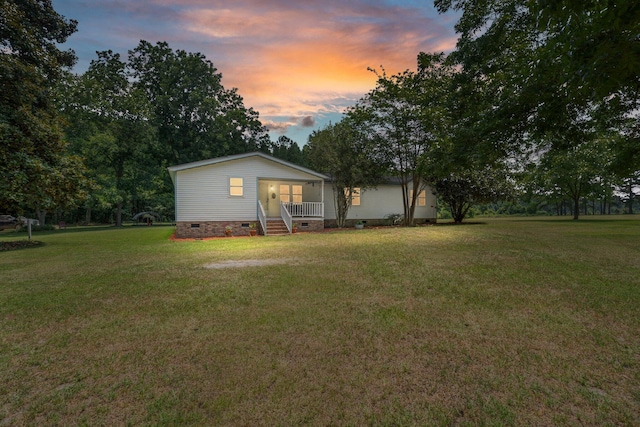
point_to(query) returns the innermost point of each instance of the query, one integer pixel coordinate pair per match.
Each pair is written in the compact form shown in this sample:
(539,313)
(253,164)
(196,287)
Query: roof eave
(177,168)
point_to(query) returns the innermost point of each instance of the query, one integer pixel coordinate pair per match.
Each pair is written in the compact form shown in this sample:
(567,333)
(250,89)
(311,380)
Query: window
(290,193)
(235,187)
(296,191)
(285,195)
(355,197)
(422,198)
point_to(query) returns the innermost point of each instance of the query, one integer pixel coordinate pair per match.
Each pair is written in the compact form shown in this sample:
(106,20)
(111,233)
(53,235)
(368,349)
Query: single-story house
(374,206)
(241,191)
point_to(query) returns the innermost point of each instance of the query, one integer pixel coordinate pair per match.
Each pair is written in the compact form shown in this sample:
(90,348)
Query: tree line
(538,101)
(562,88)
(130,119)
(96,145)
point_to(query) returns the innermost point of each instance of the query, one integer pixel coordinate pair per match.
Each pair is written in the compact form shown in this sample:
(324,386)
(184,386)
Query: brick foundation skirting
(309,224)
(202,229)
(331,223)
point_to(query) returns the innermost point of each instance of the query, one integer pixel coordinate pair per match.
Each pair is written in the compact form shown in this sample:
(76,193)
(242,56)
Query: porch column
(322,191)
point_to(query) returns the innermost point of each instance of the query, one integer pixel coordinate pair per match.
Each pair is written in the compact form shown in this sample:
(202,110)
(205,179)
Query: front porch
(277,226)
(288,203)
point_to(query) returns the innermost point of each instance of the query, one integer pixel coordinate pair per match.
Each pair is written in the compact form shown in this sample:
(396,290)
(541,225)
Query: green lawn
(511,322)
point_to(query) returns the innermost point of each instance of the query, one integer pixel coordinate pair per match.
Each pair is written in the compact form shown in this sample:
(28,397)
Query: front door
(271,199)
(272,193)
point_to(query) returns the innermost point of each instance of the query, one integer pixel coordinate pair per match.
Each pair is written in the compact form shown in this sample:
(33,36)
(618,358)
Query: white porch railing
(305,209)
(286,216)
(262,217)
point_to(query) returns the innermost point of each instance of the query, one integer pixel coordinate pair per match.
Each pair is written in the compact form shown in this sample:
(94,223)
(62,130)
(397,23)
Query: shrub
(393,218)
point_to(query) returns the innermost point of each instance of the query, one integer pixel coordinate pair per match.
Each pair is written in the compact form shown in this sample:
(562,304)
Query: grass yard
(512,322)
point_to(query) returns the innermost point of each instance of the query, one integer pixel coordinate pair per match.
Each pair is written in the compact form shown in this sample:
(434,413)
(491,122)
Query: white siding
(202,193)
(376,203)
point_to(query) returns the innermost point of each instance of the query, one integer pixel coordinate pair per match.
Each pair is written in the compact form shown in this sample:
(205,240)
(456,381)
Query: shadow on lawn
(460,223)
(85,228)
(19,244)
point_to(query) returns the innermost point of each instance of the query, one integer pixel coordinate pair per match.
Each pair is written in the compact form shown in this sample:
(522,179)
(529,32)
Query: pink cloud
(304,58)
(278,127)
(285,56)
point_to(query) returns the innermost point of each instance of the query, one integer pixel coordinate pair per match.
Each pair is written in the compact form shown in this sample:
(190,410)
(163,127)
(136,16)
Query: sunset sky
(298,63)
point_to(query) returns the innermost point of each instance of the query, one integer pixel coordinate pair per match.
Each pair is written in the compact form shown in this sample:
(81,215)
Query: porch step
(276,228)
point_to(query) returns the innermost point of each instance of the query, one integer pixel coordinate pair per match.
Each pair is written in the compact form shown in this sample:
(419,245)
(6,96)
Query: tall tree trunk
(87,216)
(412,210)
(119,175)
(119,215)
(41,216)
(576,207)
(459,211)
(406,205)
(630,202)
(341,205)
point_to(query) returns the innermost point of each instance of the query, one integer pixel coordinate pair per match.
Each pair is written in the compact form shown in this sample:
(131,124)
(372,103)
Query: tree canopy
(549,60)
(195,116)
(286,149)
(405,118)
(344,154)
(36,171)
(109,125)
(159,107)
(556,83)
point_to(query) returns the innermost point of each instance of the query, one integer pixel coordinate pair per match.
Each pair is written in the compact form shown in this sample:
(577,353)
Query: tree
(111,128)
(195,116)
(573,172)
(629,189)
(341,152)
(461,190)
(286,149)
(131,119)
(543,59)
(406,118)
(469,164)
(36,171)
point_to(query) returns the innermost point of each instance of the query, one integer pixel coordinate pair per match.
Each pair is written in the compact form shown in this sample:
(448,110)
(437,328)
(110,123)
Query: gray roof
(174,169)
(386,180)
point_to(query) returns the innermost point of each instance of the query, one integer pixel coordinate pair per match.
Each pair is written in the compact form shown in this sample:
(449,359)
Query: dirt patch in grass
(247,263)
(18,244)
